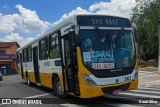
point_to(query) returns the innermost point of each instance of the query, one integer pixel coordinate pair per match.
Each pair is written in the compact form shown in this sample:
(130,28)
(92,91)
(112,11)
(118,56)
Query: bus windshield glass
(107,49)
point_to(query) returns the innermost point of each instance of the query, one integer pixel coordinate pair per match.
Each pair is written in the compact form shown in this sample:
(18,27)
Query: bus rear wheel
(58,89)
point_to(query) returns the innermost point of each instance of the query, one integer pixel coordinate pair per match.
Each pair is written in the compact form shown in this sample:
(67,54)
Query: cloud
(78,10)
(15,37)
(26,21)
(115,7)
(30,20)
(121,8)
(8,23)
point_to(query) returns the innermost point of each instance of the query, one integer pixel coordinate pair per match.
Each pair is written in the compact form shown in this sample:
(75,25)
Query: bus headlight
(89,80)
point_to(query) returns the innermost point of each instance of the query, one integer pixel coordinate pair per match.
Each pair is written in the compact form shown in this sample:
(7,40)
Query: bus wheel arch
(57,88)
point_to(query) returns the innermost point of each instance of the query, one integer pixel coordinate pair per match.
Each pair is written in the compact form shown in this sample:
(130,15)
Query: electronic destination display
(103,21)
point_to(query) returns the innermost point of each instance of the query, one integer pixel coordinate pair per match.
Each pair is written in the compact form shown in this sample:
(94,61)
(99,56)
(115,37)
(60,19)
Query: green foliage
(145,19)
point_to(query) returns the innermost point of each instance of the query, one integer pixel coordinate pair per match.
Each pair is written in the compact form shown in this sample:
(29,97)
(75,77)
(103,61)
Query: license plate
(116,91)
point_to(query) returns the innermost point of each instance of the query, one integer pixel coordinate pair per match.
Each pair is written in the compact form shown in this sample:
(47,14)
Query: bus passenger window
(18,57)
(54,47)
(25,55)
(30,54)
(43,49)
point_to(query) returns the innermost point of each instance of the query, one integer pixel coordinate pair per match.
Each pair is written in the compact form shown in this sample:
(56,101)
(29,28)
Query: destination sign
(103,21)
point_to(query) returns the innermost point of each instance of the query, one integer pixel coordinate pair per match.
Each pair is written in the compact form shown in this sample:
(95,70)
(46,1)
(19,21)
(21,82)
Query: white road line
(72,105)
(116,105)
(151,82)
(124,105)
(148,76)
(40,95)
(155,89)
(139,95)
(148,72)
(153,92)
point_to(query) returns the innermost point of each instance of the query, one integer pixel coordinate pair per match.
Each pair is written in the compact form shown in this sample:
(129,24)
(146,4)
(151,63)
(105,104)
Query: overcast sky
(22,20)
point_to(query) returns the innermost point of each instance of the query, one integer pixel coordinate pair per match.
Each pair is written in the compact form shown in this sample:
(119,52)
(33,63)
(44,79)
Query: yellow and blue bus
(84,55)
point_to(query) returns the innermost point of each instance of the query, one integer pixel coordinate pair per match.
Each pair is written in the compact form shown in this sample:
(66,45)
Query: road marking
(124,105)
(152,82)
(148,72)
(40,95)
(153,92)
(139,95)
(148,76)
(72,105)
(155,89)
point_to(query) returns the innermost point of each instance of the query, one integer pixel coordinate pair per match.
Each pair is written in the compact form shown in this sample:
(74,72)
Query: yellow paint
(87,91)
(134,84)
(19,71)
(81,68)
(32,77)
(46,79)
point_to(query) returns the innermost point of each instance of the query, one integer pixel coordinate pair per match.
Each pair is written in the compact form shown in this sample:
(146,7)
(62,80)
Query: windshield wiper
(118,36)
(101,34)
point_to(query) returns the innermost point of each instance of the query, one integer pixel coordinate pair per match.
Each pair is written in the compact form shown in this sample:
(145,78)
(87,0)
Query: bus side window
(43,49)
(25,55)
(18,57)
(53,46)
(29,54)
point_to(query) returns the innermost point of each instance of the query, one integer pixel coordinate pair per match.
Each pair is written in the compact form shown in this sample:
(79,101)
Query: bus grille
(108,90)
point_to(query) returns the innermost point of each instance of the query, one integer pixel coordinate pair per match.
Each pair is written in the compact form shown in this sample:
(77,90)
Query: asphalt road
(148,91)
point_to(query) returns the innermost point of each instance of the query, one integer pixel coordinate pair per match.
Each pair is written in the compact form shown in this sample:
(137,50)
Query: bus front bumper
(96,91)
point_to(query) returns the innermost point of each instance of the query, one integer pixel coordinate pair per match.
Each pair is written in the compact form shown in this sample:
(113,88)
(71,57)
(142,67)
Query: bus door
(67,62)
(21,62)
(36,64)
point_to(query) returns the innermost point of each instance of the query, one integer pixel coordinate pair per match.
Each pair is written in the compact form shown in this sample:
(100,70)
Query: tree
(145,19)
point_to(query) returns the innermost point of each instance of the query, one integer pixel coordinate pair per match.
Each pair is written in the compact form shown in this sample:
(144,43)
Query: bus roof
(69,20)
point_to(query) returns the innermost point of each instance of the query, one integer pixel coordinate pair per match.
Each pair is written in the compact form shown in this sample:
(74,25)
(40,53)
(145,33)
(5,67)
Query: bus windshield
(107,49)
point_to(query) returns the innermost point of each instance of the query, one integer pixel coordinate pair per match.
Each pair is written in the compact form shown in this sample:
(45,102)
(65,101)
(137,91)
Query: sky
(22,20)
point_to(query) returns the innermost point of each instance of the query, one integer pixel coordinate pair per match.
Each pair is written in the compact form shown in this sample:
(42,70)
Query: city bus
(85,55)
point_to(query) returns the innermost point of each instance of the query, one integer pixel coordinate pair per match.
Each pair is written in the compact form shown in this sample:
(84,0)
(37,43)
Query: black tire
(28,81)
(58,89)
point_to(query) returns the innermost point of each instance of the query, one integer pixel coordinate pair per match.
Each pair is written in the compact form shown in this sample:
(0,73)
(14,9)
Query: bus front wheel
(58,89)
